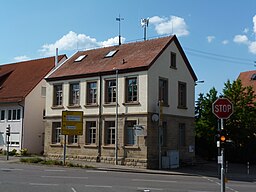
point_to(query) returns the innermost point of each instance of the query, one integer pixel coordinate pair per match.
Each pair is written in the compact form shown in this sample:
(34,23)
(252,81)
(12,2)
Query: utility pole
(116,123)
(119,19)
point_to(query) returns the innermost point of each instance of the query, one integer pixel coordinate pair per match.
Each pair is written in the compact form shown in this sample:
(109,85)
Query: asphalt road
(16,177)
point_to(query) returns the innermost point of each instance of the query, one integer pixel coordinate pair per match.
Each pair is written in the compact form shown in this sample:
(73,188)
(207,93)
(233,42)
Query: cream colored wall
(106,109)
(33,120)
(162,69)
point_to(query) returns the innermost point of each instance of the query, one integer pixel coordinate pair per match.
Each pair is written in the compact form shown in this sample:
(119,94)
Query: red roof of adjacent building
(248,78)
(17,80)
(128,57)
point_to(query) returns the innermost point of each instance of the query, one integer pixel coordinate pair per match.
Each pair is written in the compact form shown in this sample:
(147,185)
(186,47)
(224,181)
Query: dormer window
(80,58)
(253,76)
(111,53)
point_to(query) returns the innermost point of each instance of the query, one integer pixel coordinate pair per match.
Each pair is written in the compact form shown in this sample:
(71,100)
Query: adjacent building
(122,90)
(22,103)
(248,78)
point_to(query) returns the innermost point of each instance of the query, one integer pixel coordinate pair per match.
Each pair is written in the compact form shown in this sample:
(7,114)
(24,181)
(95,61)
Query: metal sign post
(8,133)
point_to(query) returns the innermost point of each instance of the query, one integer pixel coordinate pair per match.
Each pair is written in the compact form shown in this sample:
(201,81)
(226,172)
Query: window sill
(109,104)
(173,67)
(109,146)
(90,146)
(56,145)
(91,105)
(75,145)
(131,147)
(182,107)
(132,103)
(57,107)
(73,106)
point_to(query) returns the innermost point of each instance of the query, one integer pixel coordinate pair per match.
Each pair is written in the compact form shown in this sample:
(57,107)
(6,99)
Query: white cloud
(73,41)
(252,47)
(173,25)
(210,38)
(254,23)
(246,30)
(243,39)
(21,58)
(225,42)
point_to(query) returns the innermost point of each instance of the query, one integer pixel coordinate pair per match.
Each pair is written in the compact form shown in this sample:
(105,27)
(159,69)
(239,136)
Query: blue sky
(218,37)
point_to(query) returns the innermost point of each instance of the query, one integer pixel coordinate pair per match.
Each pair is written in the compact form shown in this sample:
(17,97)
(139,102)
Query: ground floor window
(56,132)
(72,139)
(182,136)
(91,132)
(110,132)
(130,133)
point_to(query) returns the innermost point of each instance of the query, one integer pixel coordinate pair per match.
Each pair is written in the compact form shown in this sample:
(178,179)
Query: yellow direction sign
(72,123)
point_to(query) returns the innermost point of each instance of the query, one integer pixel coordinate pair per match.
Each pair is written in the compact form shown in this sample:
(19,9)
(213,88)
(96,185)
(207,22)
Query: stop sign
(222,108)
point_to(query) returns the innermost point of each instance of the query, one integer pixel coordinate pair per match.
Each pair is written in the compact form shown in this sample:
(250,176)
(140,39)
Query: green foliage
(24,152)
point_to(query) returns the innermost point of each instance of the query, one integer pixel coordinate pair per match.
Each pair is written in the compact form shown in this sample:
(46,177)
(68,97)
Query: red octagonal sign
(222,108)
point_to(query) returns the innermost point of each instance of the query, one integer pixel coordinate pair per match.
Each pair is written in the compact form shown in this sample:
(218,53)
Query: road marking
(44,184)
(64,177)
(146,188)
(54,170)
(73,189)
(95,171)
(99,186)
(11,169)
(160,181)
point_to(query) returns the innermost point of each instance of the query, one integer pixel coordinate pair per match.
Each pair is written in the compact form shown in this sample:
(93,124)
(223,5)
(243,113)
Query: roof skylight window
(111,53)
(80,58)
(253,76)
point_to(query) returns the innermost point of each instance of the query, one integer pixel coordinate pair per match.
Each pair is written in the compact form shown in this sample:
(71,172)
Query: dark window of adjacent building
(56,132)
(182,95)
(130,133)
(91,93)
(91,132)
(131,90)
(57,95)
(110,132)
(173,60)
(163,91)
(74,94)
(2,115)
(110,91)
(182,135)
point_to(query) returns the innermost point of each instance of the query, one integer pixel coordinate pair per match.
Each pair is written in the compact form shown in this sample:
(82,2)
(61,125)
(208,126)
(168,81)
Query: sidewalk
(209,169)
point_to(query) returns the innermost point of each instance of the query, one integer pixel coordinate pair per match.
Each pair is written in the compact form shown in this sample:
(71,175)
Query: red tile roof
(247,79)
(17,80)
(129,57)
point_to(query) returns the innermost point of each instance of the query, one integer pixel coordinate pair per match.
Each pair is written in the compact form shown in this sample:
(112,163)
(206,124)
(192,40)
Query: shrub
(24,152)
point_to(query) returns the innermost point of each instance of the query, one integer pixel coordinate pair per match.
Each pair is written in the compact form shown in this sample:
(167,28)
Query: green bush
(24,152)
(31,160)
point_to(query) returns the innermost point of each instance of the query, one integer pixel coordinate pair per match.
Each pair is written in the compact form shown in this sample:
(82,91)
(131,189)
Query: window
(164,134)
(80,58)
(173,60)
(74,94)
(91,132)
(91,93)
(110,91)
(163,91)
(253,76)
(57,95)
(182,97)
(2,115)
(130,135)
(13,115)
(72,139)
(14,139)
(182,136)
(43,91)
(110,132)
(131,90)
(56,132)
(111,53)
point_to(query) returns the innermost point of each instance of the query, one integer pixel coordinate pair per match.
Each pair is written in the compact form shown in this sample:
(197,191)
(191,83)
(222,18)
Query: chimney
(56,58)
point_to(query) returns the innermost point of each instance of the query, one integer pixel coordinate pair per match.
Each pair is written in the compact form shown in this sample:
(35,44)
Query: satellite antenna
(144,24)
(119,28)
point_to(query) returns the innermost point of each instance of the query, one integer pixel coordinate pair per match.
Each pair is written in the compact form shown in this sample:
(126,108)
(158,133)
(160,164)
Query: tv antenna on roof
(144,24)
(119,28)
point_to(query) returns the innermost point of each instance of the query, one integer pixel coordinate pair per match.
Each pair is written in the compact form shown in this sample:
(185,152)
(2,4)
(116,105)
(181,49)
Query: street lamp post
(116,122)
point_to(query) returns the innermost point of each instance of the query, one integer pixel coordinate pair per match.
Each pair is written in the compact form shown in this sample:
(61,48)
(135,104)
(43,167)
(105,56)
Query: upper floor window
(110,91)
(131,90)
(14,114)
(91,93)
(173,60)
(57,95)
(163,91)
(2,115)
(182,95)
(74,93)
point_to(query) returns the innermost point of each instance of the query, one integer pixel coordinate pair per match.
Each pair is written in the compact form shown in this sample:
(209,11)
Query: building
(248,78)
(22,103)
(122,85)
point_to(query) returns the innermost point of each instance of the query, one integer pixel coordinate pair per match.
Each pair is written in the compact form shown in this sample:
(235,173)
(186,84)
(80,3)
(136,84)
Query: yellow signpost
(72,123)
